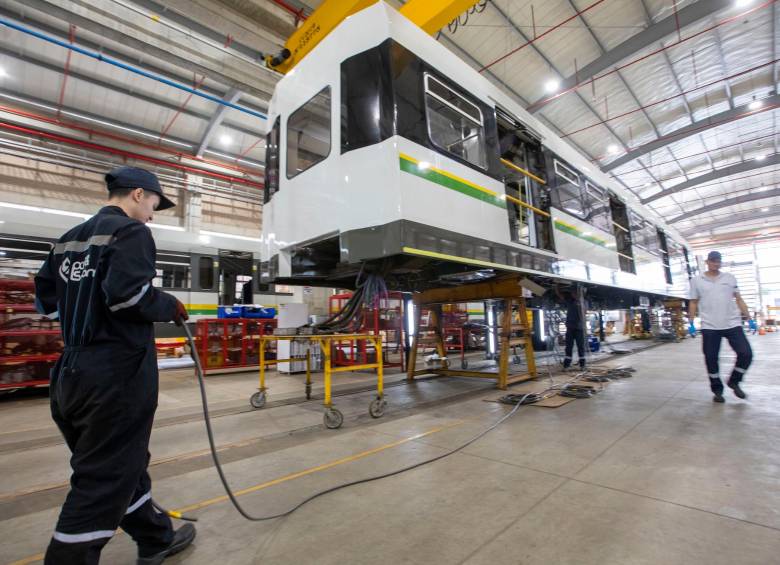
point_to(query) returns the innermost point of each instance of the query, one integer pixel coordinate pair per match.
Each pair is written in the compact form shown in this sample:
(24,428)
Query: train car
(202,278)
(387,152)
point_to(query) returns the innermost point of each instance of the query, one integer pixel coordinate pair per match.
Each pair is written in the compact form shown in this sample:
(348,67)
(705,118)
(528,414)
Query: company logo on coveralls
(79,270)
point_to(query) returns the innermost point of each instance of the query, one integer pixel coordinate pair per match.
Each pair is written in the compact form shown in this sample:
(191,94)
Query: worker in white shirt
(715,297)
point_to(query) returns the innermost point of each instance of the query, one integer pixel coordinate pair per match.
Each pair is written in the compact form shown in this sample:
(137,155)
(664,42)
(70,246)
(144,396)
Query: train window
(662,246)
(455,124)
(174,276)
(566,173)
(308,134)
(597,207)
(206,273)
(272,162)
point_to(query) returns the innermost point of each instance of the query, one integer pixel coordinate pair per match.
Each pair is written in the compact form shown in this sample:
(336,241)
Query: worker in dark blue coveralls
(575,332)
(97,281)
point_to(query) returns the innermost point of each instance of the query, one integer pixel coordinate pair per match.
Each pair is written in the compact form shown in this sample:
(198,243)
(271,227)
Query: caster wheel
(257,400)
(464,364)
(333,418)
(377,408)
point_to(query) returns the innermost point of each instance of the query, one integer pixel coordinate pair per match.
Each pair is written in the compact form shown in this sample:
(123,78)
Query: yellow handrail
(526,205)
(511,165)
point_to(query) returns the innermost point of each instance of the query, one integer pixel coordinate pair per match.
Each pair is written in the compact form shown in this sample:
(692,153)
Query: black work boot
(181,539)
(738,392)
(718,398)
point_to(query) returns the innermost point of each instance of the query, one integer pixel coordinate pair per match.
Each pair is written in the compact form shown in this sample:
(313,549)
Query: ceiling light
(755,104)
(3,73)
(225,140)
(765,209)
(552,85)
(742,3)
(760,157)
(612,149)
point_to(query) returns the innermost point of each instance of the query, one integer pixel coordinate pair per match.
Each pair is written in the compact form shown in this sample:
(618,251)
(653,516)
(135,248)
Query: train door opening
(620,224)
(522,157)
(235,273)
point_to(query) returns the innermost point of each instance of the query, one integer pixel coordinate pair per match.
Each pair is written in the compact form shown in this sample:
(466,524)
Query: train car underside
(412,257)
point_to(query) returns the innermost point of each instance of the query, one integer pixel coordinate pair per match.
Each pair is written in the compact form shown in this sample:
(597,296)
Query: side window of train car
(455,124)
(664,249)
(597,207)
(636,224)
(567,184)
(206,273)
(308,134)
(272,162)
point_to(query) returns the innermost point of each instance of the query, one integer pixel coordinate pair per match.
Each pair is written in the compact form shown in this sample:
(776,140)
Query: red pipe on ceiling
(109,135)
(128,154)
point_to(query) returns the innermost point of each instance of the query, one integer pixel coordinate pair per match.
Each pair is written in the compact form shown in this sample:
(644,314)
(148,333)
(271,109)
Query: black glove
(181,315)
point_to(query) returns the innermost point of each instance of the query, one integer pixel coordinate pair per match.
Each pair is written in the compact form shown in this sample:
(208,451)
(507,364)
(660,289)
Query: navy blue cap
(714,256)
(135,177)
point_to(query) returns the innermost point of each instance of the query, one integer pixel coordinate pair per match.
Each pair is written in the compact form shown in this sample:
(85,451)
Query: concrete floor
(648,471)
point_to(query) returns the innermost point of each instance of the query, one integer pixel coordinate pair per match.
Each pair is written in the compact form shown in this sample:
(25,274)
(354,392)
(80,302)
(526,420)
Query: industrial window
(206,273)
(308,134)
(663,247)
(455,124)
(566,173)
(272,162)
(597,207)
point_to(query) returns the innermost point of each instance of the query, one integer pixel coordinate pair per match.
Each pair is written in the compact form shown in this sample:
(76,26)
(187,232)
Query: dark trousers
(103,401)
(574,335)
(711,347)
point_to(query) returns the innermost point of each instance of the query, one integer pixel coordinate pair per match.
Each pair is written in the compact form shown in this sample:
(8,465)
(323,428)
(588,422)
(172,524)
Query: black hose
(232,497)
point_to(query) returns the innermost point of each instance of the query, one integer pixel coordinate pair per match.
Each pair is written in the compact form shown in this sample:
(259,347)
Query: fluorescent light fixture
(491,330)
(66,213)
(423,165)
(760,157)
(233,158)
(164,227)
(742,3)
(3,73)
(204,238)
(612,149)
(230,236)
(54,211)
(552,85)
(20,207)
(225,139)
(410,317)
(755,105)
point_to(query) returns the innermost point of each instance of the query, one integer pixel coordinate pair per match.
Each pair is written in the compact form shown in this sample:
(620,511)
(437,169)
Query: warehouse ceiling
(677,100)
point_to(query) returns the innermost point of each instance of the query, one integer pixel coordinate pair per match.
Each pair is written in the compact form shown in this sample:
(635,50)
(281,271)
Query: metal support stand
(507,289)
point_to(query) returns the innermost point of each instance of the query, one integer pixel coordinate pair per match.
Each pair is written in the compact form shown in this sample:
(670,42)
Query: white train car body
(386,148)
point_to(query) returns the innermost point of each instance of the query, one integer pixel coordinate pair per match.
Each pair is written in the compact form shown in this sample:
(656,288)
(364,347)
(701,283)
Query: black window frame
(272,160)
(287,133)
(427,74)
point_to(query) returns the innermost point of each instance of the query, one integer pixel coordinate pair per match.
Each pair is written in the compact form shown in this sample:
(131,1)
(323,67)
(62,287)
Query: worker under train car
(575,327)
(97,280)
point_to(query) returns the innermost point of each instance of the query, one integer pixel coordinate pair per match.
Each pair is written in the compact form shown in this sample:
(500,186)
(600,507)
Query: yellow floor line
(290,477)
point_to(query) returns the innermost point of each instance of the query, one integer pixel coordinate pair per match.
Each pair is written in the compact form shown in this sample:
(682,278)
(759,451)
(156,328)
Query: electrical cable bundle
(370,289)
(578,391)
